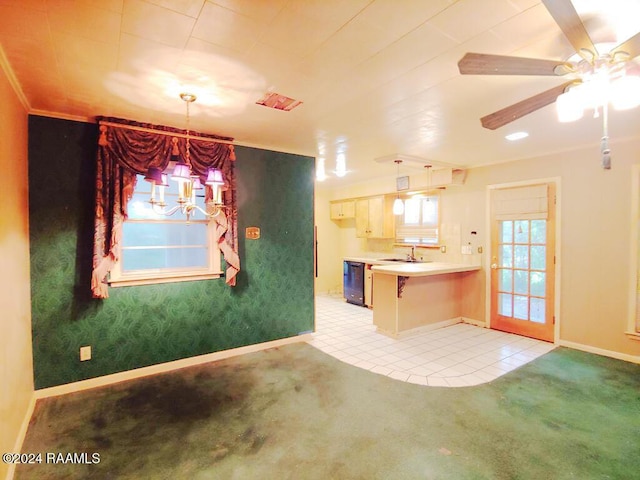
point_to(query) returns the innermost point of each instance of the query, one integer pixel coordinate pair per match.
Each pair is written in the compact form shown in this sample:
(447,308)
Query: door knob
(494,266)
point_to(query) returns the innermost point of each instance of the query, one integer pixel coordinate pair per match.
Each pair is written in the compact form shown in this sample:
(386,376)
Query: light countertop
(421,269)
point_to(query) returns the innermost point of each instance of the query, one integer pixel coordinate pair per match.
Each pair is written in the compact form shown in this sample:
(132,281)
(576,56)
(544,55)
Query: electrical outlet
(85,353)
(479,249)
(443,249)
(466,250)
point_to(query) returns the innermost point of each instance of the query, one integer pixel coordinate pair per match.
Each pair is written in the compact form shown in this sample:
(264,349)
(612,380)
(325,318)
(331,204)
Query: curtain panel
(127,148)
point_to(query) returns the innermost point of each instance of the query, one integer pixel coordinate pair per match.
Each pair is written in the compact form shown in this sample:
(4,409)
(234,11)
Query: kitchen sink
(403,260)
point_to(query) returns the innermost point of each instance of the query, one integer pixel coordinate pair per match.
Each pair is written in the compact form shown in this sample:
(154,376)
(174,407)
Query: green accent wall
(145,325)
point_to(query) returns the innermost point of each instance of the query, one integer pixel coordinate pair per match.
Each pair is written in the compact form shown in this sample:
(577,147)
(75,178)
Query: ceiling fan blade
(569,22)
(631,46)
(485,64)
(520,109)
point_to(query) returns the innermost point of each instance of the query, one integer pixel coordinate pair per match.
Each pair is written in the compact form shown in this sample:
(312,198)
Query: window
(420,222)
(156,248)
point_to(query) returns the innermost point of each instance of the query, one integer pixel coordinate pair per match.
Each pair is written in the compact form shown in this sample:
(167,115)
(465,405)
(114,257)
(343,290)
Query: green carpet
(297,413)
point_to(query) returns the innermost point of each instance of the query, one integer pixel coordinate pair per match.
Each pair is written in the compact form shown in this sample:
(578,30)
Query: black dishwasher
(353,287)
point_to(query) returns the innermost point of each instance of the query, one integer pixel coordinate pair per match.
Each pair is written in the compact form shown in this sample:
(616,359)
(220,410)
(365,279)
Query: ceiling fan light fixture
(625,92)
(570,106)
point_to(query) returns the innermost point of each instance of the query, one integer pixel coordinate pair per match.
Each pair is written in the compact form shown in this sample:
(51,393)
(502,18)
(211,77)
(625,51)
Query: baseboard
(600,351)
(418,330)
(477,323)
(17,447)
(164,367)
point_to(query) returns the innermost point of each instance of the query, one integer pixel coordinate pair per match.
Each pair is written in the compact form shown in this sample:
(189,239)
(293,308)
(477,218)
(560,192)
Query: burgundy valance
(127,148)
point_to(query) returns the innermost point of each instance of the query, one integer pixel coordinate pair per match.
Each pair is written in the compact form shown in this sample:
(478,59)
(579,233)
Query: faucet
(411,257)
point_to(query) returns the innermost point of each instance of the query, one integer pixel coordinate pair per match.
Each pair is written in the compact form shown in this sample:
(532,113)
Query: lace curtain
(127,148)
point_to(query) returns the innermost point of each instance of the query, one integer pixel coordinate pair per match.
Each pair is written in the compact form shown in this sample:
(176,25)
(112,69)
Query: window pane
(162,234)
(538,257)
(430,211)
(505,281)
(507,231)
(521,231)
(154,258)
(521,281)
(504,304)
(521,307)
(538,231)
(521,256)
(506,256)
(412,211)
(537,310)
(538,284)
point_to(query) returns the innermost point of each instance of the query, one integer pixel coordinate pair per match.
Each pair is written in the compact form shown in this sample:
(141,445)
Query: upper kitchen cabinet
(374,217)
(342,209)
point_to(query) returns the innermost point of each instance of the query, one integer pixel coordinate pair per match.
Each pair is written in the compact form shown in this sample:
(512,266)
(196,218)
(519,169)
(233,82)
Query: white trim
(21,435)
(558,267)
(633,254)
(165,367)
(418,330)
(600,351)
(472,321)
(13,80)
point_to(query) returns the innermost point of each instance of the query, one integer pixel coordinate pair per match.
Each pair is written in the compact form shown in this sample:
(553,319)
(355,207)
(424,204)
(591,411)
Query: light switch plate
(466,250)
(85,353)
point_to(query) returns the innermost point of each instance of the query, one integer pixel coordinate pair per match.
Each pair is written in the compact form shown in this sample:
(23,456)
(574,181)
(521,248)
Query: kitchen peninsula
(412,297)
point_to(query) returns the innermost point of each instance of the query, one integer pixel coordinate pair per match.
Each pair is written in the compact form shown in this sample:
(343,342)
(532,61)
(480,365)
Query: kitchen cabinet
(374,217)
(342,209)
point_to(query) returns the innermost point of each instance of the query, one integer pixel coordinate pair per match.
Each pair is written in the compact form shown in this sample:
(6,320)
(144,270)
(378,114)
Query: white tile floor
(456,356)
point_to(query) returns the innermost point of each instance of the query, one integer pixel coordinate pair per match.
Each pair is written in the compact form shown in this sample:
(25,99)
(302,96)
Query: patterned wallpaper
(144,325)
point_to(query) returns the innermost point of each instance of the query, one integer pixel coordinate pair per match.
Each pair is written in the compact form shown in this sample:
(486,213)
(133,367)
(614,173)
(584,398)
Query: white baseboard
(418,330)
(21,435)
(477,323)
(164,367)
(600,351)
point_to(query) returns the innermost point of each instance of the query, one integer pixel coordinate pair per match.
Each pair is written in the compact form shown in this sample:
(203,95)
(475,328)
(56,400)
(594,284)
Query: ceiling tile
(156,23)
(227,28)
(467,18)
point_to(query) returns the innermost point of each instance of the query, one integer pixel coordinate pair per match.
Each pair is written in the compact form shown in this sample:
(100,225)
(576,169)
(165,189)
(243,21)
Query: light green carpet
(297,413)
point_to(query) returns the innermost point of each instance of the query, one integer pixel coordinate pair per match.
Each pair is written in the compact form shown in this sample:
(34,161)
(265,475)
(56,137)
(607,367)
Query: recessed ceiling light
(516,136)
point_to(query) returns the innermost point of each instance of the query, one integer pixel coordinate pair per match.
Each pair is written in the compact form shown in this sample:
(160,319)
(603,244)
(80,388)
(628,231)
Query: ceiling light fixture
(398,204)
(604,81)
(512,137)
(188,182)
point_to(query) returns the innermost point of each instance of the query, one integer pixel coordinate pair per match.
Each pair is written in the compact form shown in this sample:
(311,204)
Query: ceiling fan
(591,64)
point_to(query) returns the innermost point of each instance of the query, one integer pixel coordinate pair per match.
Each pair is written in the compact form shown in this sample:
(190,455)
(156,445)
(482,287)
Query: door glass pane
(504,304)
(521,281)
(521,231)
(538,257)
(506,256)
(507,231)
(521,307)
(538,231)
(521,256)
(537,310)
(505,281)
(538,284)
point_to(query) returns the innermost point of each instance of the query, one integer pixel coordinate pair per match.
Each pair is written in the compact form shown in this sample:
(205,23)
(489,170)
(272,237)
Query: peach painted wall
(595,233)
(16,366)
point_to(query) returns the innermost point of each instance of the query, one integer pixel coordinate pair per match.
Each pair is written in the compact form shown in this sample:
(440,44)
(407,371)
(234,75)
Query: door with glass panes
(523,261)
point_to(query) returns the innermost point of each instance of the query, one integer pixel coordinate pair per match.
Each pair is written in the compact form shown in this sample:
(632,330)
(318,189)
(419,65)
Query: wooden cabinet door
(349,209)
(362,218)
(376,217)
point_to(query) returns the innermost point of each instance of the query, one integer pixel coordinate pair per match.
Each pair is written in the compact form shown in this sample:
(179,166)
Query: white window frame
(419,229)
(120,278)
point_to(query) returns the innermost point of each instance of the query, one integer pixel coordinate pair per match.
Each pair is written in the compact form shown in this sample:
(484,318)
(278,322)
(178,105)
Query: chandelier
(188,183)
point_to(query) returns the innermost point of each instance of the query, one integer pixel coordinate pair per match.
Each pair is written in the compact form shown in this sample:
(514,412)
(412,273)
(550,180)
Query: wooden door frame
(558,266)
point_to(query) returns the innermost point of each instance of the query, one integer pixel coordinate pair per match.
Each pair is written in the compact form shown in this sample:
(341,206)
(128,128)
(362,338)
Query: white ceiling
(377,78)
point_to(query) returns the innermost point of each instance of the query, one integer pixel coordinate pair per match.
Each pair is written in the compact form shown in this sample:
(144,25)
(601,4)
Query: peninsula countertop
(423,269)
